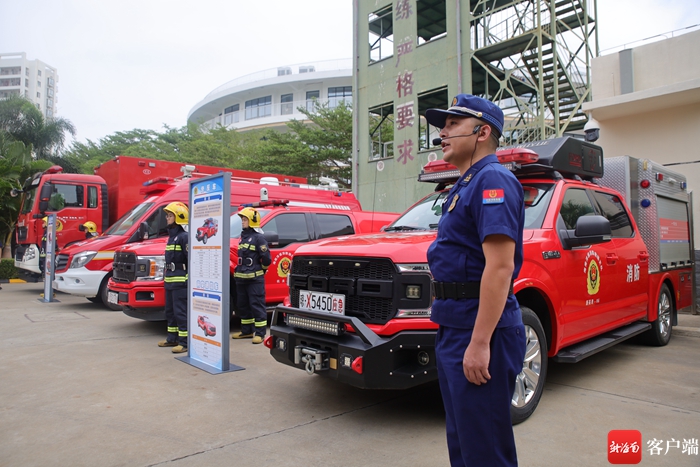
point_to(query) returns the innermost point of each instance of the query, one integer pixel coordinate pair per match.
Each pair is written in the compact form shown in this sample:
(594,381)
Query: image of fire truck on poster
(206,271)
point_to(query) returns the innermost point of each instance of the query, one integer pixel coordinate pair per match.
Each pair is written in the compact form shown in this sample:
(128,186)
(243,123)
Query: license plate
(322,301)
(113,297)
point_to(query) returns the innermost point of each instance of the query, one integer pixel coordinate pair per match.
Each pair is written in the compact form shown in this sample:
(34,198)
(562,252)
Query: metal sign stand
(208,310)
(49,259)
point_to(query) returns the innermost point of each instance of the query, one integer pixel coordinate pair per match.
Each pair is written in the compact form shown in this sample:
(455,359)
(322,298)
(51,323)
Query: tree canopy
(20,120)
(320,146)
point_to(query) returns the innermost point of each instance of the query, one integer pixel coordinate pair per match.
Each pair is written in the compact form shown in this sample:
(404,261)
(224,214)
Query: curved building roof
(271,97)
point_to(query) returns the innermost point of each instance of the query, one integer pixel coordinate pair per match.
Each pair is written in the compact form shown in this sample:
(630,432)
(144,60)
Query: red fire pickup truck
(606,257)
(296,216)
(208,230)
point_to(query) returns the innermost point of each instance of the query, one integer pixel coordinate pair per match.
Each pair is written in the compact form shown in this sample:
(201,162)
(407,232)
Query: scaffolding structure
(532,58)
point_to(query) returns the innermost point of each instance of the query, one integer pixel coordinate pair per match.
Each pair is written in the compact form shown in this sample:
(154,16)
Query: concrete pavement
(80,385)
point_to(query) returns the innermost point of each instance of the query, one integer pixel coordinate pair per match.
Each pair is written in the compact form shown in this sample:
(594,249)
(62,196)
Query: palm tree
(20,120)
(16,165)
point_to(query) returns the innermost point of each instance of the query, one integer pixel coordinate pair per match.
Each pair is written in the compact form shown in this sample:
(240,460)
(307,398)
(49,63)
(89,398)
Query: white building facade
(33,79)
(271,98)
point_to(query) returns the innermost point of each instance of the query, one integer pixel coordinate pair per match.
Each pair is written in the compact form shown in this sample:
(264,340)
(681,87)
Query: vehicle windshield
(235,223)
(29,197)
(537,197)
(127,220)
(425,215)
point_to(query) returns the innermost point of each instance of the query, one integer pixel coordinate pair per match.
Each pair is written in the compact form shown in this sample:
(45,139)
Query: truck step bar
(585,349)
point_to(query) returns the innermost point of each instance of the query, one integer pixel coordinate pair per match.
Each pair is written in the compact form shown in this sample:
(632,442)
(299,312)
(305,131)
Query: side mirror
(590,230)
(273,240)
(140,234)
(143,231)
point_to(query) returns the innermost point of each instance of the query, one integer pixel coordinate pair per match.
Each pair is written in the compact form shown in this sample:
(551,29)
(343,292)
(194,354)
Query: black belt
(249,261)
(175,266)
(459,290)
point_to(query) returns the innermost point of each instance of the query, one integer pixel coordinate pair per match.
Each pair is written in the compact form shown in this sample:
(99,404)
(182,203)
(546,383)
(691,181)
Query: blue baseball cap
(466,105)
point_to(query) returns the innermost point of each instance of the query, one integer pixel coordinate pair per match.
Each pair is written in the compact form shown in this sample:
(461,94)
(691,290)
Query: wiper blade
(401,227)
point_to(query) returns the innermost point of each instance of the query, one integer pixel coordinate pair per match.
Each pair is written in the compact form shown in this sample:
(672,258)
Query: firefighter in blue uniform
(176,253)
(253,261)
(478,252)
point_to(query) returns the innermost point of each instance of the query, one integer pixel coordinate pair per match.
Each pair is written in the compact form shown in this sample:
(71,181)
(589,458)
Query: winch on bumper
(323,343)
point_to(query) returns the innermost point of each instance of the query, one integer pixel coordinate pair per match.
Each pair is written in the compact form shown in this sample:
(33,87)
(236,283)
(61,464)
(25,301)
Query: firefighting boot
(240,335)
(179,349)
(167,343)
(257,340)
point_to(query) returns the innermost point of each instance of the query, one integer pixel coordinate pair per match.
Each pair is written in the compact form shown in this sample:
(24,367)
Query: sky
(126,64)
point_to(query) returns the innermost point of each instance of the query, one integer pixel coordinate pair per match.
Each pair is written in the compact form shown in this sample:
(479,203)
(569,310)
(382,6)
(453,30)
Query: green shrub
(8,269)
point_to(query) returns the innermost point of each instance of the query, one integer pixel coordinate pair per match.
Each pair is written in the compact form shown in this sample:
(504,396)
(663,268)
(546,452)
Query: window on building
(339,94)
(431,18)
(49,81)
(49,113)
(231,114)
(10,82)
(38,95)
(282,71)
(14,70)
(287,106)
(258,108)
(38,72)
(26,83)
(26,71)
(92,197)
(49,103)
(49,92)
(435,99)
(381,34)
(311,99)
(38,84)
(307,69)
(381,131)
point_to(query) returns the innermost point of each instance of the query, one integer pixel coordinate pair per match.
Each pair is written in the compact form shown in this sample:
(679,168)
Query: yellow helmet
(180,211)
(45,220)
(90,227)
(252,215)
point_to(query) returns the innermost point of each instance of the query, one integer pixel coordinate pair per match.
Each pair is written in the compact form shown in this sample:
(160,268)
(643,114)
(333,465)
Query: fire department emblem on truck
(592,268)
(284,264)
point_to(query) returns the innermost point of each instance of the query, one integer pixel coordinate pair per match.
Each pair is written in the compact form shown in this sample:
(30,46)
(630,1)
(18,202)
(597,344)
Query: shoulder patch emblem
(493,196)
(263,248)
(453,203)
(469,177)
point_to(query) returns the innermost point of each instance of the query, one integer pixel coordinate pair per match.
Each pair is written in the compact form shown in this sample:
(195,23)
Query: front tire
(103,295)
(529,384)
(204,239)
(661,328)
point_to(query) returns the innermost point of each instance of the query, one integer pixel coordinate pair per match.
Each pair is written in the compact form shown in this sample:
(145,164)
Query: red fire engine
(297,215)
(606,258)
(84,268)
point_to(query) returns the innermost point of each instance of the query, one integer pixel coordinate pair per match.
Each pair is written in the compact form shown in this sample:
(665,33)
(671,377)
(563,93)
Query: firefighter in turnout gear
(253,261)
(176,253)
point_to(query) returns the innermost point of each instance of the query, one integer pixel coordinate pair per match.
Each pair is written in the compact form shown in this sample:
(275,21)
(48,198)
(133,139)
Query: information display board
(208,312)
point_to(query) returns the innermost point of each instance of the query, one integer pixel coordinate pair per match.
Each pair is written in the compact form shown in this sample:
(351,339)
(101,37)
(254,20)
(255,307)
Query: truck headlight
(416,300)
(81,259)
(150,268)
